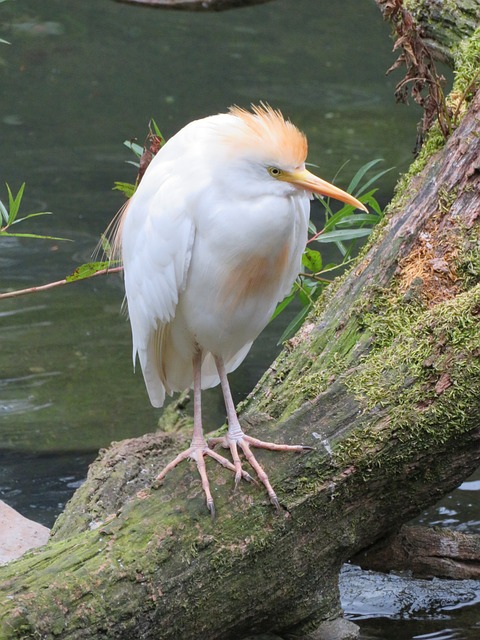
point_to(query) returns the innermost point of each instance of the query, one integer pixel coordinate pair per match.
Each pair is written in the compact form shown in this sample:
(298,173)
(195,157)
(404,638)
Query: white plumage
(211,241)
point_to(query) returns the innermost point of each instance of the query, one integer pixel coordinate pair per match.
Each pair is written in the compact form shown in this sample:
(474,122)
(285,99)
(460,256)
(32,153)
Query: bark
(425,553)
(195,5)
(445,24)
(383,381)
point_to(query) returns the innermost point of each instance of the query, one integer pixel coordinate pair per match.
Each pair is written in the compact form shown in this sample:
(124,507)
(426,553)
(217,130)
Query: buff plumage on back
(267,129)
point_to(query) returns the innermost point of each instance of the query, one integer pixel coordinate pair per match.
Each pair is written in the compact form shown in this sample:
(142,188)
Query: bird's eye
(275,172)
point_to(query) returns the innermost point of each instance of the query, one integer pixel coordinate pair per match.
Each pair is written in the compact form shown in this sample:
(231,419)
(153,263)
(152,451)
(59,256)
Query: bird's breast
(255,276)
(244,262)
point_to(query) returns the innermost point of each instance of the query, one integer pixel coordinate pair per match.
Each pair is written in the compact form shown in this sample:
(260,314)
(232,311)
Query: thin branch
(58,283)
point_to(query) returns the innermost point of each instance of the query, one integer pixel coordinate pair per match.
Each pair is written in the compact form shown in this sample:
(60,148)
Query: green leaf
(312,260)
(127,188)
(295,324)
(373,204)
(32,215)
(133,146)
(304,296)
(14,203)
(333,220)
(342,235)
(371,181)
(88,269)
(156,130)
(3,212)
(358,218)
(360,173)
(32,235)
(281,305)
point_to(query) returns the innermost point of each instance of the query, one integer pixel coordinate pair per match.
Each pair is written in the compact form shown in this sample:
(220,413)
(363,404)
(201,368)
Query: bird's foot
(236,439)
(198,452)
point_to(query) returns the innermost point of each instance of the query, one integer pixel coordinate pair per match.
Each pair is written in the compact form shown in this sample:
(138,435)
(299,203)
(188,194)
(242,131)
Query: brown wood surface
(425,553)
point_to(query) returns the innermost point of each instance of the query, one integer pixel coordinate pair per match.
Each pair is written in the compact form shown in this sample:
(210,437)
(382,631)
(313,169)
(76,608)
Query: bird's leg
(198,448)
(237,438)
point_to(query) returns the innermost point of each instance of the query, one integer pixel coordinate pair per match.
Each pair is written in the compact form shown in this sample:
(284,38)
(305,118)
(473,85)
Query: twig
(58,283)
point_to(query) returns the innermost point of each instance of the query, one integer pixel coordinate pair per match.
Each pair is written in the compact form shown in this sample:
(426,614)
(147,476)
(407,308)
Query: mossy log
(383,382)
(444,23)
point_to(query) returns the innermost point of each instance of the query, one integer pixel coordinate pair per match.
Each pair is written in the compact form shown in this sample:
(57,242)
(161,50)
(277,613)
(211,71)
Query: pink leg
(198,448)
(237,438)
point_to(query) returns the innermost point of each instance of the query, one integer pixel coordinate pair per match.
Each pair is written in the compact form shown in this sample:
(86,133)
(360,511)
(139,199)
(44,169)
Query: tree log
(445,24)
(195,5)
(383,381)
(425,553)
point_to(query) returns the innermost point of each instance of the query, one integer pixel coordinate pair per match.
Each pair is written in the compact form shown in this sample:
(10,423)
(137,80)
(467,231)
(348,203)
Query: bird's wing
(157,241)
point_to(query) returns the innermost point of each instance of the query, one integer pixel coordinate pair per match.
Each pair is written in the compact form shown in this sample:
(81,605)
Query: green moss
(469,266)
(423,368)
(312,381)
(418,8)
(467,64)
(434,141)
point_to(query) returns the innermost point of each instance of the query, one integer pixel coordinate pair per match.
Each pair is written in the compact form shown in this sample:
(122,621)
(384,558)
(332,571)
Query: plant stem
(58,283)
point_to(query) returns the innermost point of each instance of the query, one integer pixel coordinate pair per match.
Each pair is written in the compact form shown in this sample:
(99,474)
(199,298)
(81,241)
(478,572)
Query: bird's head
(276,151)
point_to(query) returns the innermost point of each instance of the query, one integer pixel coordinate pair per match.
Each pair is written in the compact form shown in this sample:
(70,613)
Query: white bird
(211,241)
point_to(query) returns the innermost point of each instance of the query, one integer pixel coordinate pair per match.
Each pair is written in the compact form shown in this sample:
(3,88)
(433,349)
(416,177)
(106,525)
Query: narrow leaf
(32,215)
(156,130)
(294,325)
(87,270)
(32,235)
(281,305)
(342,235)
(345,211)
(372,180)
(360,173)
(14,203)
(3,212)
(133,146)
(373,204)
(364,218)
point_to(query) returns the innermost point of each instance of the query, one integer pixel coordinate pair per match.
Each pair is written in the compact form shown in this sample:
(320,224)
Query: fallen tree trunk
(383,381)
(442,24)
(425,553)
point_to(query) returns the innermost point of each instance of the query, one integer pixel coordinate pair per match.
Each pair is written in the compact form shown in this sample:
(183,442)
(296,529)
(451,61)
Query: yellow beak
(310,182)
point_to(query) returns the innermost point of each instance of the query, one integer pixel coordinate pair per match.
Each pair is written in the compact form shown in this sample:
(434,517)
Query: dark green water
(77,80)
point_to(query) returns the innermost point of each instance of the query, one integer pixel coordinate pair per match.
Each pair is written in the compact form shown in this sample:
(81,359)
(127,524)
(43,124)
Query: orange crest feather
(278,139)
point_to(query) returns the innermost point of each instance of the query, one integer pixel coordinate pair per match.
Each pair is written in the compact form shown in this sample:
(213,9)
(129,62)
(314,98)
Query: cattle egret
(211,241)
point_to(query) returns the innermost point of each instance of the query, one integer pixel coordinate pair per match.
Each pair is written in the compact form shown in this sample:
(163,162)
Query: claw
(275,502)
(240,439)
(211,508)
(238,477)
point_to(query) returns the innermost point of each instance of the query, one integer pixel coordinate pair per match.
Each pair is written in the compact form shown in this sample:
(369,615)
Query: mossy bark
(383,381)
(445,24)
